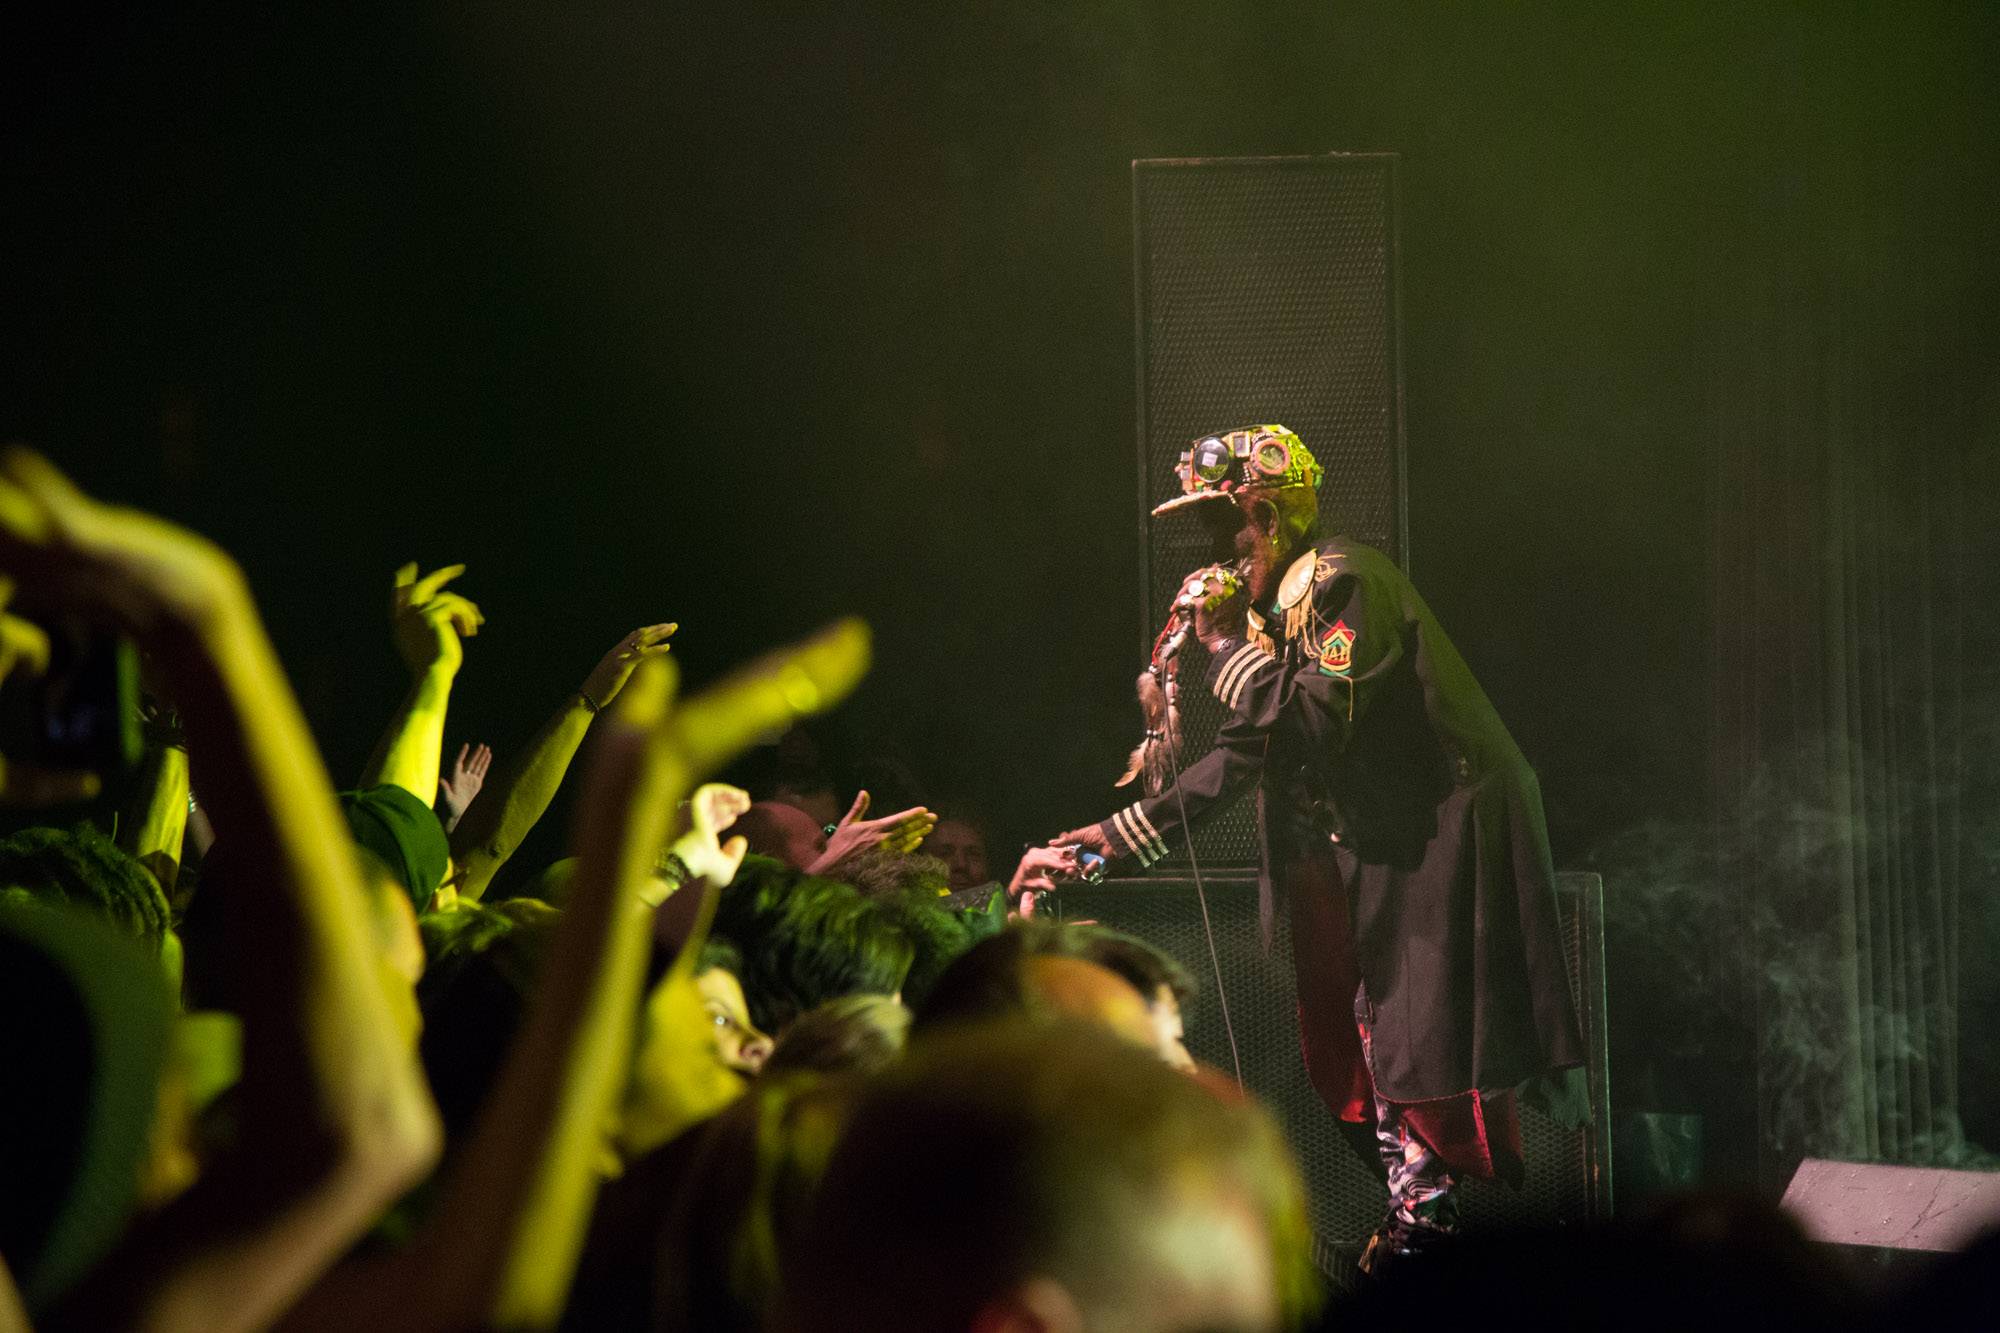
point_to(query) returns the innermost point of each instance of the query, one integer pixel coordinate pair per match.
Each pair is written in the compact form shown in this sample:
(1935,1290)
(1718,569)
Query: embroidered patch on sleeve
(1336,649)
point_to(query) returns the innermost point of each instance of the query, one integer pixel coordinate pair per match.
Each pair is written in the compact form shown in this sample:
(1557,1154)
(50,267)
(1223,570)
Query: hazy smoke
(1808,938)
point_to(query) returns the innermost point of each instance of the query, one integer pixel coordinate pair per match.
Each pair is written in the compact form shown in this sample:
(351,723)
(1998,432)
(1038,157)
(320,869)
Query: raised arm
(429,624)
(495,825)
(502,1247)
(153,826)
(335,1118)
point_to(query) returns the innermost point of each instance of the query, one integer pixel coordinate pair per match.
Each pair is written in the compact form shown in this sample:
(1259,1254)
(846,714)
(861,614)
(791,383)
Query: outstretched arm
(336,1119)
(429,624)
(901,832)
(495,826)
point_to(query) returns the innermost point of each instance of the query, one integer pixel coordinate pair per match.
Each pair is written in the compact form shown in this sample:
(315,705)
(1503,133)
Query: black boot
(1397,1246)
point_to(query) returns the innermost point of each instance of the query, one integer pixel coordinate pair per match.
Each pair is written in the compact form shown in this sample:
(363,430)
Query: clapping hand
(467,776)
(898,833)
(616,667)
(428,622)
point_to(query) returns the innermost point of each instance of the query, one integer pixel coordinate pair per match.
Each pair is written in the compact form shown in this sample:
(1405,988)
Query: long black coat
(1370,734)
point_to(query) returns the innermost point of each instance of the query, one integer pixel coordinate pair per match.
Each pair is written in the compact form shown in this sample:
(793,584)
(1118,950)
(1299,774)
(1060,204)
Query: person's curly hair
(881,874)
(806,940)
(83,868)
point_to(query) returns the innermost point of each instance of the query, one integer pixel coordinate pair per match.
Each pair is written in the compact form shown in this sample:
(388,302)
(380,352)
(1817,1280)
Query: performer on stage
(1396,815)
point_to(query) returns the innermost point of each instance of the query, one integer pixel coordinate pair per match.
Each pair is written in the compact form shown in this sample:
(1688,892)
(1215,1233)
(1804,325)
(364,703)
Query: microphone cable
(1207,926)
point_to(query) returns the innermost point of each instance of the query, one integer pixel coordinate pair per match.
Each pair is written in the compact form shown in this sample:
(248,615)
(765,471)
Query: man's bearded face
(1230,536)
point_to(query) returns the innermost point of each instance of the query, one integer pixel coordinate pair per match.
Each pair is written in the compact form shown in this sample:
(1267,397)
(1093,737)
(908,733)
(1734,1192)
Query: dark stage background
(749,315)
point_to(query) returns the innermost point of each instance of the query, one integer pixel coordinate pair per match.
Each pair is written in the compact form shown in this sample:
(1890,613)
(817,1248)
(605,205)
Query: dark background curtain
(1852,598)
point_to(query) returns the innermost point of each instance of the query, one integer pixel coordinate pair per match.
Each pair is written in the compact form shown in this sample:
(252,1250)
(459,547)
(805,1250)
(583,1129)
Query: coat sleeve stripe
(1244,659)
(1242,682)
(1146,825)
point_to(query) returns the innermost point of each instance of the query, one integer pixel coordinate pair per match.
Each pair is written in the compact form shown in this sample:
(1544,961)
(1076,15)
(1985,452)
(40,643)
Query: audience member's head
(805,940)
(782,832)
(1701,1261)
(1042,970)
(1160,980)
(1089,1187)
(855,1034)
(939,935)
(803,775)
(738,1043)
(403,834)
(883,874)
(695,1048)
(84,869)
(484,960)
(959,841)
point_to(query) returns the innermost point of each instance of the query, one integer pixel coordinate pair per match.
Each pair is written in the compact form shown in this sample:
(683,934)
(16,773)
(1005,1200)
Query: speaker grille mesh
(1346,1196)
(1266,292)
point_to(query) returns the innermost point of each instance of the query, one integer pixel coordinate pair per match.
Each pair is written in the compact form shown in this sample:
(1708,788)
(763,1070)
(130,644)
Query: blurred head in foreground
(1090,1187)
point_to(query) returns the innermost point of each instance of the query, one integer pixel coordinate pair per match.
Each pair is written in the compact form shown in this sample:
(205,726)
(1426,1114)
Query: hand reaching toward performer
(899,833)
(616,667)
(457,788)
(1090,836)
(1043,869)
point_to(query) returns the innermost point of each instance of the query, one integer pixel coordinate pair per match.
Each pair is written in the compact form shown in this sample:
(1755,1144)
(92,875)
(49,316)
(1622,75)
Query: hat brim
(1180,502)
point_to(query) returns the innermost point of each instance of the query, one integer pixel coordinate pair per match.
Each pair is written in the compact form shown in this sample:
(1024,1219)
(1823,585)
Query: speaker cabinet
(1266,291)
(1568,1172)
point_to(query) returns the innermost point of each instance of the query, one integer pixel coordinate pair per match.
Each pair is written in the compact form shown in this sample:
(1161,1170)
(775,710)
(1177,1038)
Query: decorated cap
(1250,458)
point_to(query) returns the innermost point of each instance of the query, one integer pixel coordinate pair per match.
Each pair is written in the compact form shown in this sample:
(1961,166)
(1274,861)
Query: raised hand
(428,622)
(713,808)
(136,572)
(900,832)
(528,781)
(457,788)
(616,667)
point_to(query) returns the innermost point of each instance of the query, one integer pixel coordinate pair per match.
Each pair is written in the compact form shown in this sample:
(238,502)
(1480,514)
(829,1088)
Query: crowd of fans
(285,1056)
